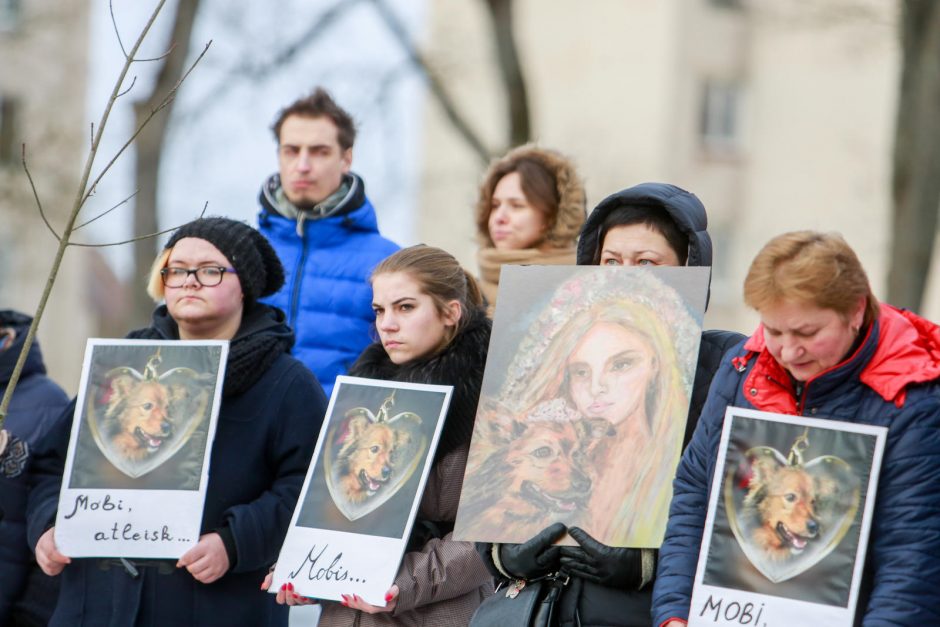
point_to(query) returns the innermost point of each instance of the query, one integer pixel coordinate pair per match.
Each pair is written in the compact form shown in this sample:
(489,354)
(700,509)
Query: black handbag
(522,603)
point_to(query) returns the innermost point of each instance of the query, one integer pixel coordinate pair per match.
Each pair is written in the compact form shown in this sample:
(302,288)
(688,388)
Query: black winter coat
(267,429)
(25,592)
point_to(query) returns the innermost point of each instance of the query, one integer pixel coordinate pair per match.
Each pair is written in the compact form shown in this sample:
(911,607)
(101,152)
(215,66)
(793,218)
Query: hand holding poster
(788,521)
(362,491)
(138,458)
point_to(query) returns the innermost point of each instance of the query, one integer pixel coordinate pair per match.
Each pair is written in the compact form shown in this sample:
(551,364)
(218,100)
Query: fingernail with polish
(388,597)
(290,586)
(283,586)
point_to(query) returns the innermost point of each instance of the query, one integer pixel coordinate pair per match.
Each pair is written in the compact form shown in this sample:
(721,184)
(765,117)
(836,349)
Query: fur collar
(460,364)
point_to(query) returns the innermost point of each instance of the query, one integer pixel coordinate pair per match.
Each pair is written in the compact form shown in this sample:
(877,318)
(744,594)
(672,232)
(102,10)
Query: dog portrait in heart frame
(791,507)
(144,415)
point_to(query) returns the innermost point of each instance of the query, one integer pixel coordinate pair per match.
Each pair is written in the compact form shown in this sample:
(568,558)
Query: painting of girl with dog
(583,423)
(146,408)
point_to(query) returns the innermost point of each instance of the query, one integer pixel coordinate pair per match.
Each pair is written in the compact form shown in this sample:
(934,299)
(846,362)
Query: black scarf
(262,337)
(460,364)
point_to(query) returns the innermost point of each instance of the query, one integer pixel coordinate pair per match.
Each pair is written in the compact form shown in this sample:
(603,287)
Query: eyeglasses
(206,276)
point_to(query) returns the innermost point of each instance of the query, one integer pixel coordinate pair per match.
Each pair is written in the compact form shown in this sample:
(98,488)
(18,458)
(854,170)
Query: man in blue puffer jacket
(316,215)
(27,596)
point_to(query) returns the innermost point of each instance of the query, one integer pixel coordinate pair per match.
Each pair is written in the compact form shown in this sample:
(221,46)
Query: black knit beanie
(259,270)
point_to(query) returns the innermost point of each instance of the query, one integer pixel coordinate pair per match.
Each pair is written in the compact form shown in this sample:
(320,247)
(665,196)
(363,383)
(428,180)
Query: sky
(219,147)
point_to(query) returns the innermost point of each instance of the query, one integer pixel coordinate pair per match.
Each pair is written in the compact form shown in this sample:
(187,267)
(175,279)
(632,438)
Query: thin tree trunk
(149,151)
(916,181)
(510,70)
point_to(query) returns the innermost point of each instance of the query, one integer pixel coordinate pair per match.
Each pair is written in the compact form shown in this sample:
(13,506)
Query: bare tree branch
(510,69)
(169,97)
(117,32)
(133,82)
(434,82)
(916,177)
(139,237)
(160,58)
(253,69)
(32,186)
(80,197)
(103,214)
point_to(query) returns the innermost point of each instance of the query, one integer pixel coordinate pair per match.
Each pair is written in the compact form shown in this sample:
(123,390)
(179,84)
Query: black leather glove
(608,566)
(535,557)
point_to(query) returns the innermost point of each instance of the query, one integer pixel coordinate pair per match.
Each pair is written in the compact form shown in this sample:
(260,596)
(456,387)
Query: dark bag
(530,603)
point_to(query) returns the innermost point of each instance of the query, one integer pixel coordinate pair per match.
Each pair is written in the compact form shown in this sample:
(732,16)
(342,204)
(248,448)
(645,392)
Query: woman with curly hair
(530,210)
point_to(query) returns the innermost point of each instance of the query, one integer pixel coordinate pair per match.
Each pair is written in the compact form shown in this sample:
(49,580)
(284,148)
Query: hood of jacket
(907,352)
(684,208)
(460,364)
(34,363)
(354,210)
(571,197)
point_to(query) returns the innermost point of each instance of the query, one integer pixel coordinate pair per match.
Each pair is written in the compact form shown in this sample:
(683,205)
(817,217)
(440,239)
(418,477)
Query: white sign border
(379,556)
(787,611)
(181,508)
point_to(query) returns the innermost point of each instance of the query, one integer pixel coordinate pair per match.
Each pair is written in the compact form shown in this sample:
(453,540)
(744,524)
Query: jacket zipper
(298,275)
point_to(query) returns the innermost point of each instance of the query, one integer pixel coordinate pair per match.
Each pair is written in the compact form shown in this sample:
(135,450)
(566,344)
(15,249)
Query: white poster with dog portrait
(788,521)
(361,495)
(138,458)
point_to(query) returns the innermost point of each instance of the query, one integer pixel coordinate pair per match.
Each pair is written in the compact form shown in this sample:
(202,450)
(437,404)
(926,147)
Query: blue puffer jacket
(36,403)
(326,292)
(892,380)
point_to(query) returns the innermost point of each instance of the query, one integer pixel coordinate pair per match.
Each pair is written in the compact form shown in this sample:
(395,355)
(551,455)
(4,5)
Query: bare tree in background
(14,451)
(510,70)
(151,142)
(149,150)
(916,181)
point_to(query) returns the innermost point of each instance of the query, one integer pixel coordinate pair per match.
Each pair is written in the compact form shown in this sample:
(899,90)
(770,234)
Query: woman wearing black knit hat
(211,273)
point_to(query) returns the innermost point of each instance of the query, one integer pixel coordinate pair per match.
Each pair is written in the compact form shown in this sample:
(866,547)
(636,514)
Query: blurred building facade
(779,116)
(43,56)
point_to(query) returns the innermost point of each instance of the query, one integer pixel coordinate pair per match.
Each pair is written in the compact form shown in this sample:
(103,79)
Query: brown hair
(550,184)
(319,104)
(809,267)
(440,276)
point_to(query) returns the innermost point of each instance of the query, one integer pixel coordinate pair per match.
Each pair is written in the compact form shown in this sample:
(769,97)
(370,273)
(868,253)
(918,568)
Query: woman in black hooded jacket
(649,224)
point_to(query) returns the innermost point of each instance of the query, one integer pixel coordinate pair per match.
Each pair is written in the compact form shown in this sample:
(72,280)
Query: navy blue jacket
(892,381)
(327,264)
(36,404)
(263,444)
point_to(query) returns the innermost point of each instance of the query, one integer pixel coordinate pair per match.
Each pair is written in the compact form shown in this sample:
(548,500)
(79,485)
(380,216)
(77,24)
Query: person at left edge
(271,412)
(315,213)
(26,593)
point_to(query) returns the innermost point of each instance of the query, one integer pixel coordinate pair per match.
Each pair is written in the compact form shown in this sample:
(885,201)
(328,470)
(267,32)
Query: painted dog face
(140,411)
(368,457)
(784,498)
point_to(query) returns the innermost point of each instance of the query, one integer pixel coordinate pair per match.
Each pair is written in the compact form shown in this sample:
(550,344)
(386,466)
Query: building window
(9,15)
(720,124)
(9,131)
(726,4)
